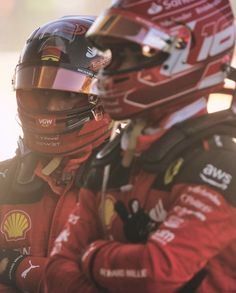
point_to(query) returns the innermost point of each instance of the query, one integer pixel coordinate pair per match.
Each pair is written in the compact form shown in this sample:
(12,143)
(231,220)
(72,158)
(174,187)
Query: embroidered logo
(25,272)
(216,177)
(62,237)
(154,9)
(173,170)
(91,52)
(15,224)
(45,123)
(163,236)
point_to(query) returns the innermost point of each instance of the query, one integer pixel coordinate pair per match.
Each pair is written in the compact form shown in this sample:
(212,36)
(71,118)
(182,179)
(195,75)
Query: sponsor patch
(154,9)
(122,273)
(173,170)
(15,225)
(190,200)
(31,267)
(91,52)
(163,236)
(62,237)
(46,123)
(215,177)
(174,222)
(182,212)
(205,193)
(170,4)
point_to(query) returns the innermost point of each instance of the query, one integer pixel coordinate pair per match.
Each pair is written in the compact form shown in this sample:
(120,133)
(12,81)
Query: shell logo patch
(15,224)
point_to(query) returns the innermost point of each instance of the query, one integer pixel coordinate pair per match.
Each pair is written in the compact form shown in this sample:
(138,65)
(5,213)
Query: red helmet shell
(198,36)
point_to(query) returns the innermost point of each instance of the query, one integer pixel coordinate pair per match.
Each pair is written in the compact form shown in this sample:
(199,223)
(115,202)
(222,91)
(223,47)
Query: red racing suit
(157,226)
(33,214)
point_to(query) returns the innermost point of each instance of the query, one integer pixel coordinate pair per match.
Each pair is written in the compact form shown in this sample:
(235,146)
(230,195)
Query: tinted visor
(45,101)
(55,78)
(120,28)
(49,111)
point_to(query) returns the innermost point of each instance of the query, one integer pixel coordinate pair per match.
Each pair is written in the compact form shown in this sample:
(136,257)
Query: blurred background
(18,18)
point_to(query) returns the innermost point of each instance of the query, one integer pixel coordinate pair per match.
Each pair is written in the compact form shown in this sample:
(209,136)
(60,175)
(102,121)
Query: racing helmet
(58,106)
(163,53)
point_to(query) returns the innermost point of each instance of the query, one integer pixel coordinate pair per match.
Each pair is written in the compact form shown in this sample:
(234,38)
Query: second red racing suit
(157,225)
(32,216)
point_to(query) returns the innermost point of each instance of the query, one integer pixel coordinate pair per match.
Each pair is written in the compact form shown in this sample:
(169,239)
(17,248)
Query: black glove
(13,259)
(137,224)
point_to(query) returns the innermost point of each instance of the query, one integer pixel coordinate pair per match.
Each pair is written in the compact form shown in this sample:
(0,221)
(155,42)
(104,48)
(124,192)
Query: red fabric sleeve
(64,276)
(29,273)
(63,273)
(180,247)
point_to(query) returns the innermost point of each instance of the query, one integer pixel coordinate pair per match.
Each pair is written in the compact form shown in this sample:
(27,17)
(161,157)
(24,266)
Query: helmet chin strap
(137,129)
(52,165)
(106,175)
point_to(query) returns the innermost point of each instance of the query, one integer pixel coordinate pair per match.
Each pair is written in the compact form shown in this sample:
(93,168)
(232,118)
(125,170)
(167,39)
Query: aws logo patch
(15,224)
(215,176)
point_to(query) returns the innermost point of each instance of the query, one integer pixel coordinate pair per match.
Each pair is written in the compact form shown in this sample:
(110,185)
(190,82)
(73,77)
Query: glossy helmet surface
(58,106)
(163,52)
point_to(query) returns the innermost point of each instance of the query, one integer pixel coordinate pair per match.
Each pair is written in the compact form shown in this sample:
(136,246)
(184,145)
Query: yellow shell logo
(15,225)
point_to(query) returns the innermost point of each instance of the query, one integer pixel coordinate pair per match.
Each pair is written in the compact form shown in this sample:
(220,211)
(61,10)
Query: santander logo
(167,5)
(154,9)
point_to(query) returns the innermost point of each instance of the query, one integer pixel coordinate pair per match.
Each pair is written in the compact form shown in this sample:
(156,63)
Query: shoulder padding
(212,168)
(18,182)
(109,155)
(183,136)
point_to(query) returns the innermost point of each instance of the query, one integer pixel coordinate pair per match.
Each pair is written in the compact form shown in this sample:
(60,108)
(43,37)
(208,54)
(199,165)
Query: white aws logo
(216,177)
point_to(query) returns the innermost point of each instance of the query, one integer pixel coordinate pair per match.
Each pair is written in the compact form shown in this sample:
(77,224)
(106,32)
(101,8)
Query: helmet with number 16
(163,53)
